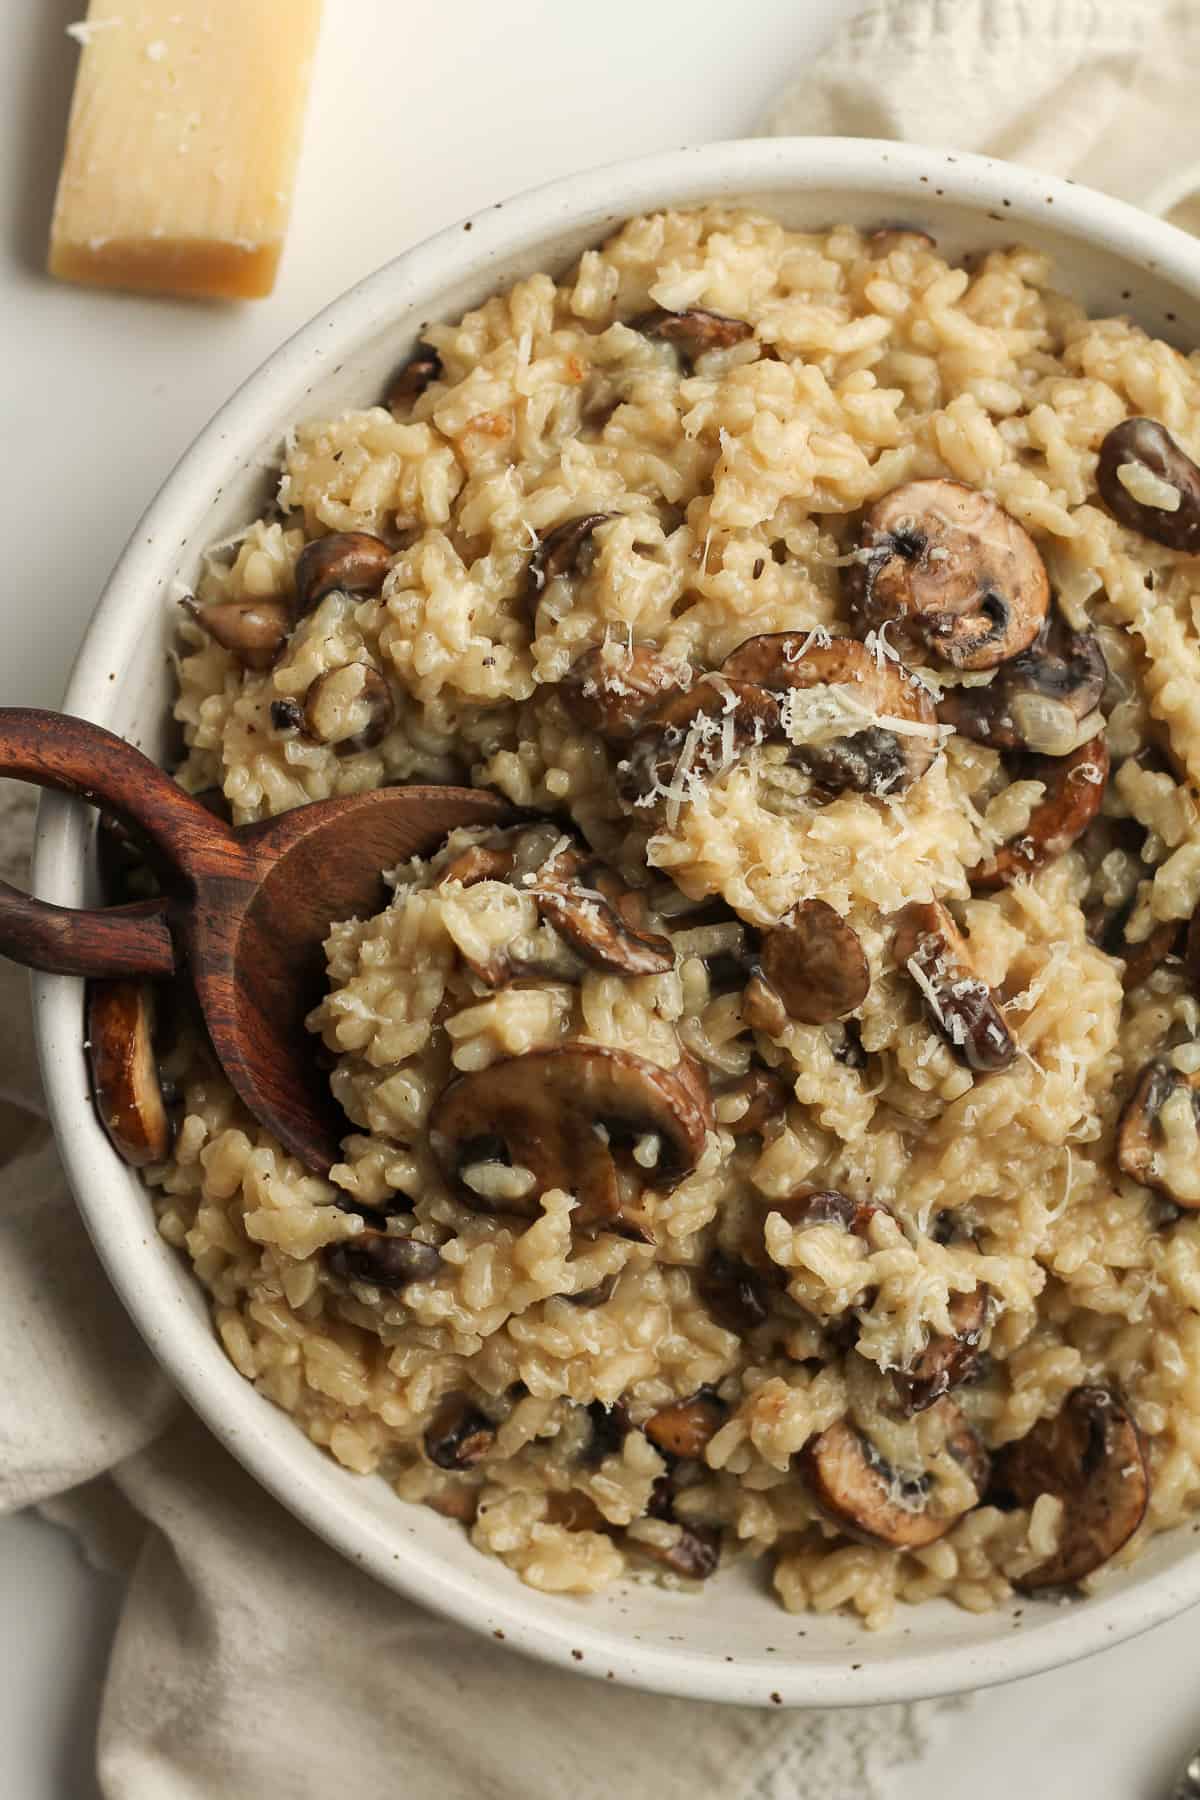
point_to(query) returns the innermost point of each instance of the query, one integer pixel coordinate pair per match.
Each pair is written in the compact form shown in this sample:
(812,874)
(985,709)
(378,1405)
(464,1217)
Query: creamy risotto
(782,1138)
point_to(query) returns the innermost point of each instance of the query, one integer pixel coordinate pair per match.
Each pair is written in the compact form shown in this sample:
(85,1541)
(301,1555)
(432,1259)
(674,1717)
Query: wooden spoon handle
(119,940)
(55,751)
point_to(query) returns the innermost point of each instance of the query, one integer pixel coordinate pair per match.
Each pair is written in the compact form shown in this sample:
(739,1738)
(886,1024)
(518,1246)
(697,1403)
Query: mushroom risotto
(781,1137)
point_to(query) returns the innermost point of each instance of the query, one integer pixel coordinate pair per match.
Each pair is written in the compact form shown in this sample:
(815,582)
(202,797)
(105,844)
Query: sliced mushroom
(733,1292)
(898,738)
(1140,959)
(694,1555)
(383,1261)
(459,1435)
(948,1359)
(696,737)
(868,1499)
(763,1008)
(599,1295)
(766,1095)
(962,1009)
(595,928)
(1090,1457)
(345,562)
(1074,794)
(254,631)
(1038,700)
(1191,951)
(686,1428)
(287,715)
(1150,484)
(615,695)
(125,1080)
(563,551)
(351,709)
(480,862)
(610,1427)
(411,379)
(693,331)
(600,920)
(845,1040)
(955,574)
(575,1512)
(556,1114)
(815,962)
(630,903)
(826,1206)
(1158,1137)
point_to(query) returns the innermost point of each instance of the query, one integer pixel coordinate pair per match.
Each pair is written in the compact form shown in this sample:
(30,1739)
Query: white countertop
(421,112)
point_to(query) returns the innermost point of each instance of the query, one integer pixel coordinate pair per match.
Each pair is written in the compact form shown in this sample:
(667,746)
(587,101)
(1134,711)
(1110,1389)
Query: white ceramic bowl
(735,1644)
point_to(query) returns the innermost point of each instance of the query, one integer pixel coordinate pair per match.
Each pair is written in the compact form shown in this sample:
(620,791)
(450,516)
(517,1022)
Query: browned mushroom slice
(694,1555)
(614,696)
(1142,959)
(961,1008)
(287,715)
(692,331)
(766,1095)
(411,379)
(862,1494)
(599,1295)
(763,1008)
(1191,951)
(948,1359)
(1150,484)
(609,1427)
(383,1261)
(816,964)
(733,1292)
(696,737)
(479,862)
(1090,1457)
(898,739)
(1158,1138)
(575,1512)
(254,631)
(826,1206)
(595,928)
(1074,795)
(125,1081)
(686,1428)
(459,1435)
(955,574)
(557,1113)
(351,709)
(347,562)
(567,550)
(1039,700)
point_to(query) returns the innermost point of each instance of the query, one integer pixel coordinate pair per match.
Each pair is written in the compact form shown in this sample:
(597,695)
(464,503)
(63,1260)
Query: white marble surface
(103,392)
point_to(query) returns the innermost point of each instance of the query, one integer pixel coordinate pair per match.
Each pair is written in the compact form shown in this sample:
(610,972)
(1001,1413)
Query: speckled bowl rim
(901,178)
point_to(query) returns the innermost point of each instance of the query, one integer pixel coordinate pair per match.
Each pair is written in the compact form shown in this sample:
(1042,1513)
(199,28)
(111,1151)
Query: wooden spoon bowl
(244,912)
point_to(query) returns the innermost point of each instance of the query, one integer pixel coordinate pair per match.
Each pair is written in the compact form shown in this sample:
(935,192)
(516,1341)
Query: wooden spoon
(244,913)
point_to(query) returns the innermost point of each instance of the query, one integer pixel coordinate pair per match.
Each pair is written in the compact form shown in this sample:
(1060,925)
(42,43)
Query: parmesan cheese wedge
(182,144)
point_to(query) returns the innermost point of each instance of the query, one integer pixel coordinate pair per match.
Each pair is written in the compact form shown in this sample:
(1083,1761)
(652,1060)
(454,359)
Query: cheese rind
(182,145)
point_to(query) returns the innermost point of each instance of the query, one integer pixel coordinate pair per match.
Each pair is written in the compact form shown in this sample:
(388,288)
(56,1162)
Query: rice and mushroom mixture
(783,1137)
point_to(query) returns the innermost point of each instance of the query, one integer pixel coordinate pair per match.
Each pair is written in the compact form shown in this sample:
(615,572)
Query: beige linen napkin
(252,1663)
